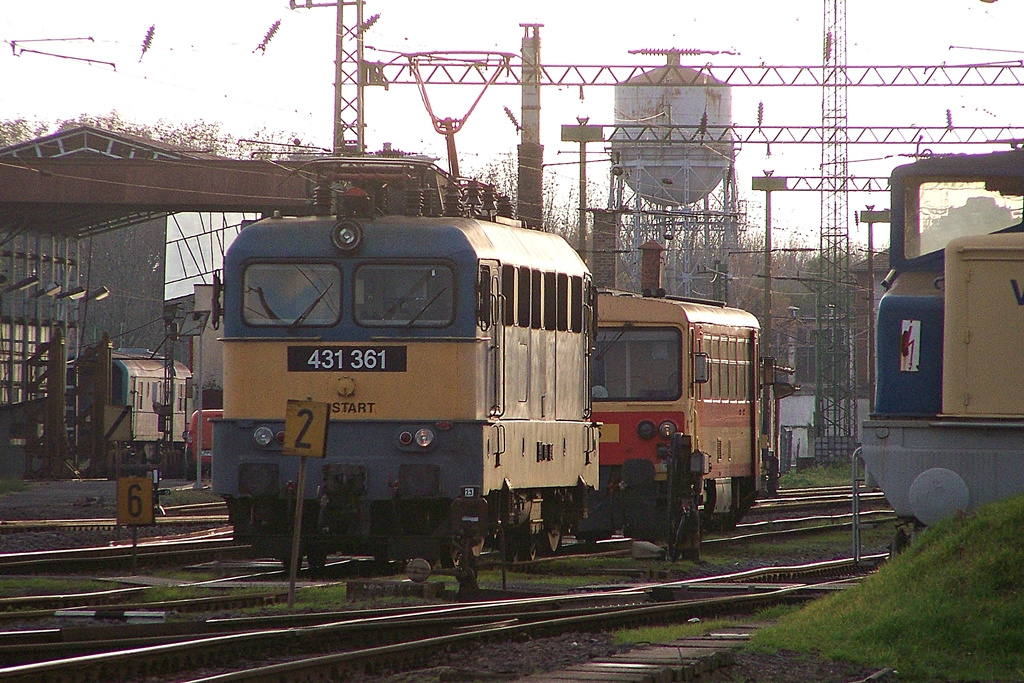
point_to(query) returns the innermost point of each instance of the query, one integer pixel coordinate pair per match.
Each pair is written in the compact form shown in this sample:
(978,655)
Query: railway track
(815,499)
(197,514)
(333,643)
(132,598)
(149,553)
(797,526)
(216,543)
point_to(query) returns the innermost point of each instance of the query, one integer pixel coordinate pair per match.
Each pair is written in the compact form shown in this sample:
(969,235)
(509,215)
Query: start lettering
(344,407)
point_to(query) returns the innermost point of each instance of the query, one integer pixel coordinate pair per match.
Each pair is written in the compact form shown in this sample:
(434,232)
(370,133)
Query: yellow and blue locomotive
(453,346)
(946,431)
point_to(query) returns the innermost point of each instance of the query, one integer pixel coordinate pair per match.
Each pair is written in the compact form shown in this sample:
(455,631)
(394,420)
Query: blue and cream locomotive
(947,431)
(453,346)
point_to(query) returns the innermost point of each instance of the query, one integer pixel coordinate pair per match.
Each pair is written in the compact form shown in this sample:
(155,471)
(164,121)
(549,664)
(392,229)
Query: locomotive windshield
(637,364)
(291,294)
(404,295)
(945,209)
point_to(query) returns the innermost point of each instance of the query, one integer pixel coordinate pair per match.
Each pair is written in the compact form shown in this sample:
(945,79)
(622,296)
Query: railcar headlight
(263,436)
(667,429)
(424,437)
(646,430)
(347,235)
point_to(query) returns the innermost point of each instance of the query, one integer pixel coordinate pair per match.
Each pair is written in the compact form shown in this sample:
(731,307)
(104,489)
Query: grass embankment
(817,476)
(949,608)
(12,486)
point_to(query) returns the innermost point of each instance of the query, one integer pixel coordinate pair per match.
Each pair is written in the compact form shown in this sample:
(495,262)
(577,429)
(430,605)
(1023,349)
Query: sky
(203,64)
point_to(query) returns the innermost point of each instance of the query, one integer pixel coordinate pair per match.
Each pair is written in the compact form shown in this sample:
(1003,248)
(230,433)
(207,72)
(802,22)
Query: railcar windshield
(291,294)
(404,295)
(941,210)
(637,364)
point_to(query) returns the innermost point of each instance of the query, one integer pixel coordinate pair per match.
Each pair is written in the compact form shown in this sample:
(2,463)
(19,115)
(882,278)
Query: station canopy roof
(85,180)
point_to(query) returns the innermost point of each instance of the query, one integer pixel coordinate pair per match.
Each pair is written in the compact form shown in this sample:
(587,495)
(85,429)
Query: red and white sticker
(910,346)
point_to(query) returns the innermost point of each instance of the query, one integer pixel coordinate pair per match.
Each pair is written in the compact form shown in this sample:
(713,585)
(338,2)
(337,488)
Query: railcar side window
(508,290)
(291,294)
(550,302)
(637,364)
(563,302)
(745,366)
(403,295)
(576,301)
(523,307)
(536,309)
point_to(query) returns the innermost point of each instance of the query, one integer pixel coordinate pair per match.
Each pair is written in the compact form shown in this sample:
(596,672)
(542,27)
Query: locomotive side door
(491,317)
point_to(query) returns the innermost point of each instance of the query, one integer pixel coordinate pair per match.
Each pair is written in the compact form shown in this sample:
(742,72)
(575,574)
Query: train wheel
(450,556)
(521,545)
(526,550)
(554,538)
(900,542)
(589,539)
(317,560)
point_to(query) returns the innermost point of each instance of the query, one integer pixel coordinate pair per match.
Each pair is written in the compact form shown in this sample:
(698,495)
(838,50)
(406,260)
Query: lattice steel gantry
(835,408)
(350,73)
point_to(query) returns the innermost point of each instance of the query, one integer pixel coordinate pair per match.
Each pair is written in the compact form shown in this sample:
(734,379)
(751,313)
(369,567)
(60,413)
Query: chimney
(650,269)
(606,230)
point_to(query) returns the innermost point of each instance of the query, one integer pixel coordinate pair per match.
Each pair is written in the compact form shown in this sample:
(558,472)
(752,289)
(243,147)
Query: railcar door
(587,324)
(490,317)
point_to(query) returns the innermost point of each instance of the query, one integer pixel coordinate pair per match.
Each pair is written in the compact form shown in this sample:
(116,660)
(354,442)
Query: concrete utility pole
(870,216)
(583,134)
(768,184)
(531,152)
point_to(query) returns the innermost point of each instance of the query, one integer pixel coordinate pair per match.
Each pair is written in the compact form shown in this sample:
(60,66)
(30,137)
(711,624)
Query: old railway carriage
(676,390)
(454,355)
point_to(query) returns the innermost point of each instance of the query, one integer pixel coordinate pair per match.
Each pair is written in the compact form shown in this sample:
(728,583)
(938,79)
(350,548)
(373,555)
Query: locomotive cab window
(941,210)
(291,294)
(637,364)
(403,295)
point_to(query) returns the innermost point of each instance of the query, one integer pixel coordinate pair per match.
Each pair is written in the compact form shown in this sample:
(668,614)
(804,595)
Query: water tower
(674,169)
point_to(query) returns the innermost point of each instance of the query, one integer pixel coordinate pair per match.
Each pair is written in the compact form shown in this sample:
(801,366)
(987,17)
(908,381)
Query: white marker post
(305,435)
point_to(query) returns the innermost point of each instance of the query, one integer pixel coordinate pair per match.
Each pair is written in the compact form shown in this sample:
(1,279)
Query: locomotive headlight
(667,429)
(263,436)
(424,437)
(347,235)
(646,430)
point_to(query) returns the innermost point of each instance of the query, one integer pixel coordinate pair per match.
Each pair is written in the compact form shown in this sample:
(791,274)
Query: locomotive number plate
(346,358)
